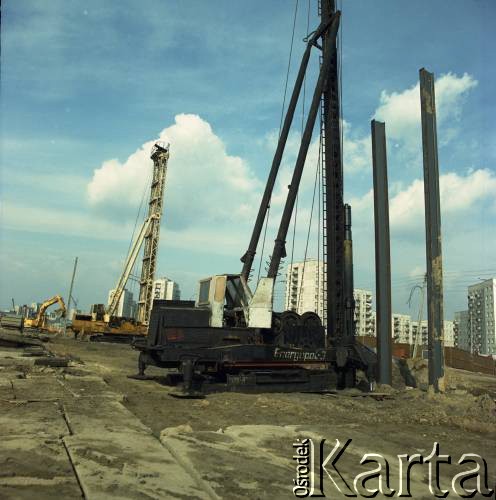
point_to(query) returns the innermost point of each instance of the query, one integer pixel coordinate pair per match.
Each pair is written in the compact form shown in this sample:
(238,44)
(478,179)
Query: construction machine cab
(231,302)
(227,297)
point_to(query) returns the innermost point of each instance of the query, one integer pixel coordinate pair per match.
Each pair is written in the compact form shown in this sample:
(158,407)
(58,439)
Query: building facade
(304,290)
(126,307)
(461,331)
(481,317)
(449,333)
(402,328)
(419,336)
(364,319)
(166,289)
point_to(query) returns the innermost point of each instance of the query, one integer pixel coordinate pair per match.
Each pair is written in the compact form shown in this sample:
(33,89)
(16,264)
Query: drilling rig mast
(160,157)
(338,302)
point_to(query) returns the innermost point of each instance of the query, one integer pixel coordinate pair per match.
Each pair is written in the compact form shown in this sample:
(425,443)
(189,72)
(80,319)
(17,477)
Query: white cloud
(458,194)
(357,151)
(204,183)
(401,113)
(401,110)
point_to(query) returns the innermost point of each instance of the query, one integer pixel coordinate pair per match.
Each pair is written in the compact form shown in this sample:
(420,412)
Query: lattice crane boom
(160,157)
(128,266)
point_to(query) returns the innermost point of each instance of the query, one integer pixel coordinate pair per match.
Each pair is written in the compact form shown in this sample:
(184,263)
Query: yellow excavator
(40,321)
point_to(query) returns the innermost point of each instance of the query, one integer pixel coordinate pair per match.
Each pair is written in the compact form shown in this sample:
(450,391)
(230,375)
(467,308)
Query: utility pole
(382,253)
(435,309)
(70,295)
(419,319)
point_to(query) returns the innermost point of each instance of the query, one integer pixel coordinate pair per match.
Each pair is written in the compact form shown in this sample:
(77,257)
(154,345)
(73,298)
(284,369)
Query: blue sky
(86,86)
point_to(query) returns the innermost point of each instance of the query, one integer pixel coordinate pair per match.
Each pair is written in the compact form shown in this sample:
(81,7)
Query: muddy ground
(87,430)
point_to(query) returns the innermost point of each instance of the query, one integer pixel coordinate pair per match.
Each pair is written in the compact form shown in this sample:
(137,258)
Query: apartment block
(402,328)
(166,289)
(304,287)
(461,331)
(481,317)
(364,319)
(126,307)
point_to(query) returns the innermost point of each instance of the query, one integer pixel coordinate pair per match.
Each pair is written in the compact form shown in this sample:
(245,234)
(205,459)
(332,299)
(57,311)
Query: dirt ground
(87,430)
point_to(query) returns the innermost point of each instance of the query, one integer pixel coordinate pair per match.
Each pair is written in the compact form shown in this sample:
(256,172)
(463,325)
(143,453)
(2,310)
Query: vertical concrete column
(435,307)
(382,253)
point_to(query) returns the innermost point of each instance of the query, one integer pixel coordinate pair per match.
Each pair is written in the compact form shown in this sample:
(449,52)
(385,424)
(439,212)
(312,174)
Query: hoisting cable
(280,128)
(309,228)
(305,39)
(289,66)
(263,243)
(146,188)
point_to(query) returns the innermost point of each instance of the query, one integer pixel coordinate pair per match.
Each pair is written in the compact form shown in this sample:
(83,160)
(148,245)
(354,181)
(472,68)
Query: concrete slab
(114,465)
(42,419)
(34,467)
(86,414)
(6,390)
(237,465)
(89,386)
(39,388)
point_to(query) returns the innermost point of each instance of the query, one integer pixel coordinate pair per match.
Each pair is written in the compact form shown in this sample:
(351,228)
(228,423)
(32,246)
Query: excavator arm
(39,321)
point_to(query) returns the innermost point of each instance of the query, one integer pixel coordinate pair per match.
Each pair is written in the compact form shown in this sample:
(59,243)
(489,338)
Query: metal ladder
(323,284)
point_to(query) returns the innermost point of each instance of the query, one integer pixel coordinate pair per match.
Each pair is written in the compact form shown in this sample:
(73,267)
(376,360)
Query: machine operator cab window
(227,297)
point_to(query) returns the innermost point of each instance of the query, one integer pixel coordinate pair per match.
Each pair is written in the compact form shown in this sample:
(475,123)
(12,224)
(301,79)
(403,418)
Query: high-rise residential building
(126,307)
(449,333)
(374,324)
(402,328)
(304,290)
(166,289)
(481,317)
(419,337)
(461,331)
(364,319)
(35,307)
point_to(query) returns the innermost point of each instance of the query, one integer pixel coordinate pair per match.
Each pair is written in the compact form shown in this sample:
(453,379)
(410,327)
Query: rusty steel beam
(435,308)
(382,254)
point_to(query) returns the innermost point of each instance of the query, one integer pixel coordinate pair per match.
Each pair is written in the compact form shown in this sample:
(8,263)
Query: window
(204,291)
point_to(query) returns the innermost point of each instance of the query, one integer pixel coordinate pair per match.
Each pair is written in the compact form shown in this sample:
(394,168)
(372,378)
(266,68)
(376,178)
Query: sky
(87,87)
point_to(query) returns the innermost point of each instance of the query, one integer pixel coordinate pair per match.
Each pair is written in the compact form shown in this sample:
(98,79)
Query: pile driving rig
(102,322)
(230,337)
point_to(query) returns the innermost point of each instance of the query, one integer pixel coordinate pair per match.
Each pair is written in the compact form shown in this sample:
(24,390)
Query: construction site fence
(453,357)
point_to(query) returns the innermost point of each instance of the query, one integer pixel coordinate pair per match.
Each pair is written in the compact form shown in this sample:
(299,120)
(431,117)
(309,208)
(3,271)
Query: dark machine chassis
(256,367)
